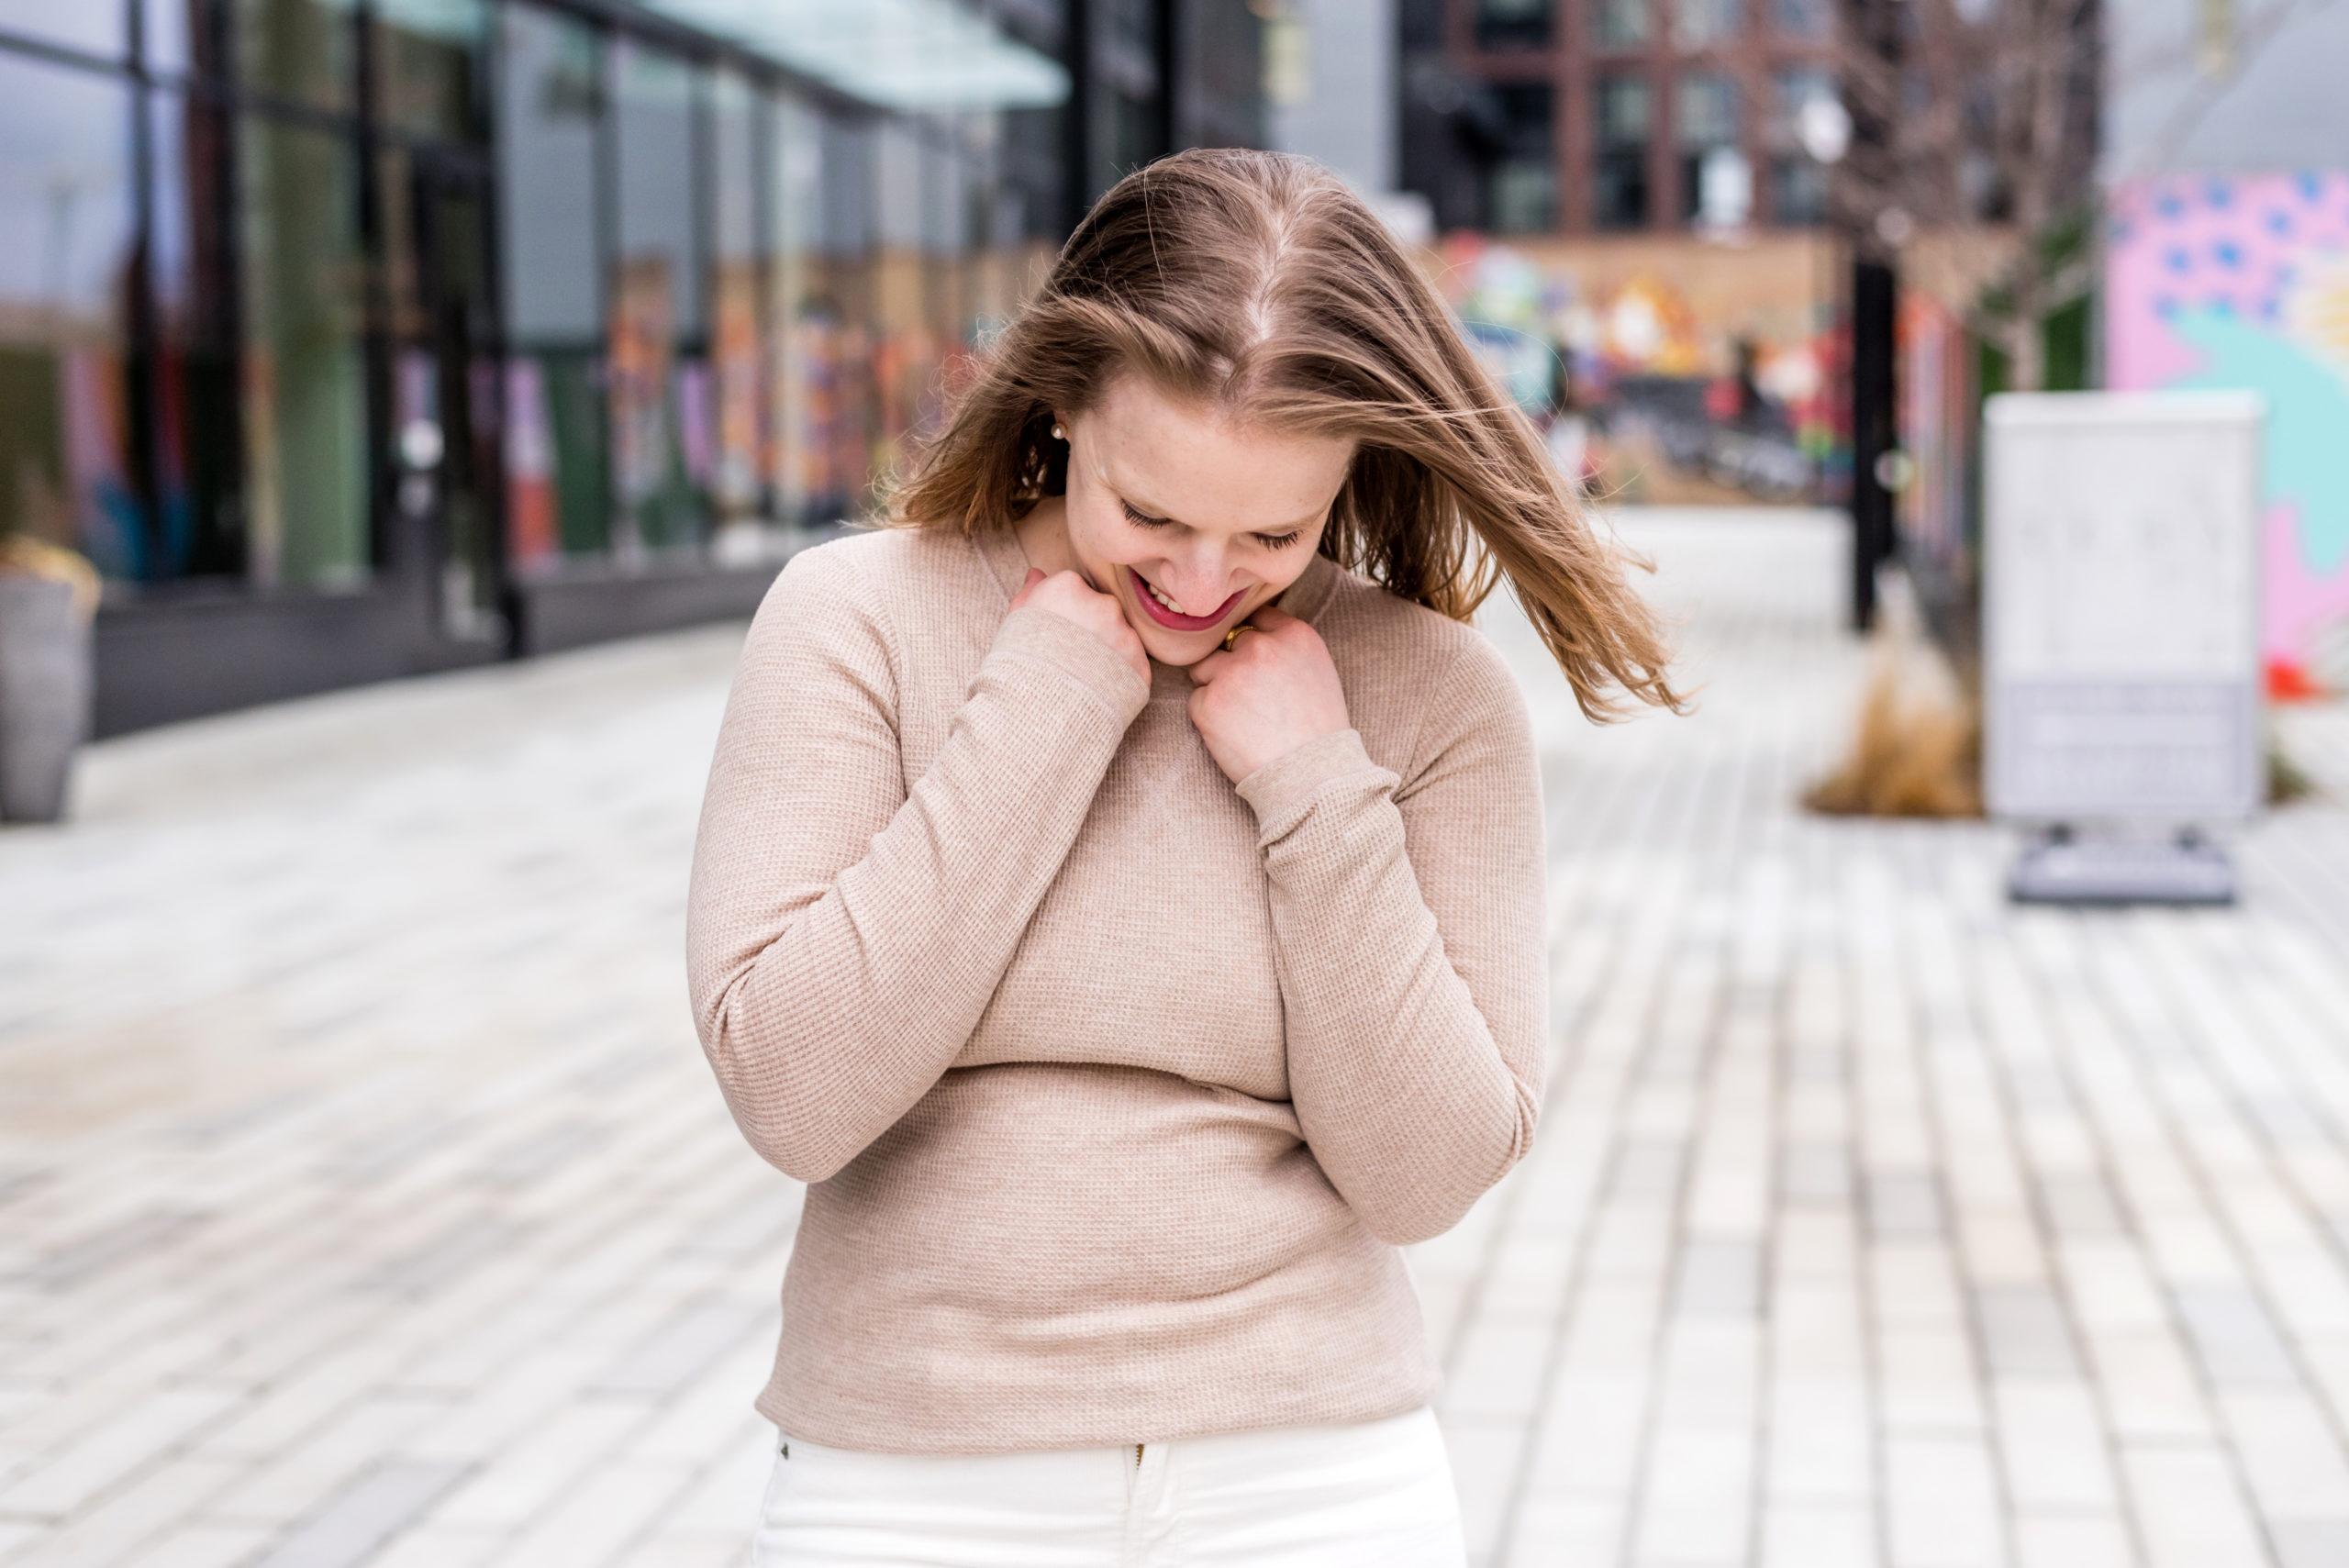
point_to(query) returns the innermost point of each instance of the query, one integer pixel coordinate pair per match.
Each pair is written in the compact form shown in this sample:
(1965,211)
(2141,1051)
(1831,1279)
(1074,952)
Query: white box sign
(2121,606)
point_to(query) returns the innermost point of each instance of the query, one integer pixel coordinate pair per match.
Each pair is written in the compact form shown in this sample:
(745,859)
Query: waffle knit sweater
(1116,1088)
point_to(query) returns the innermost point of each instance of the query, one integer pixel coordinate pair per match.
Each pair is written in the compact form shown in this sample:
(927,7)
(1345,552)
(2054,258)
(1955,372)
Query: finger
(1208,668)
(1271,617)
(1027,587)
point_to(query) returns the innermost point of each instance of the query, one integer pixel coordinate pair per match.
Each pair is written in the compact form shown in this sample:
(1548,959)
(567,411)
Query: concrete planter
(44,694)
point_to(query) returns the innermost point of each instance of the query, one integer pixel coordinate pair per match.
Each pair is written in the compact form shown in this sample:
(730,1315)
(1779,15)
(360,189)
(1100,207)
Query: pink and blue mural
(2243,282)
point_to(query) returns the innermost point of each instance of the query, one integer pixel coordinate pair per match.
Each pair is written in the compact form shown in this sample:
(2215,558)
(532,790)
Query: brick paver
(363,1199)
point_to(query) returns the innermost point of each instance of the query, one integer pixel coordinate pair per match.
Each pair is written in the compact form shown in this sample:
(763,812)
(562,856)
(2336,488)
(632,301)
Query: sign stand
(2121,681)
(2056,868)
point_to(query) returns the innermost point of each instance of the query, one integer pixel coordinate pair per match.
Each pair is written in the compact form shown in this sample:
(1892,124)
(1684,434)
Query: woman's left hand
(1274,691)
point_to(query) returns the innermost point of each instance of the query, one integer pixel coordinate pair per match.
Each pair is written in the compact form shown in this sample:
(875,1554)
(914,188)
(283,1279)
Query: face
(1190,520)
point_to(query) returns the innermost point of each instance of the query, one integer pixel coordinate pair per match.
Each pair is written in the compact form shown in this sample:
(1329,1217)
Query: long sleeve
(1409,922)
(845,929)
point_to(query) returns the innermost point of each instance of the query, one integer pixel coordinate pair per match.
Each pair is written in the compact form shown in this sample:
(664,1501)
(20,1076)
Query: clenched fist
(1273,691)
(1072,598)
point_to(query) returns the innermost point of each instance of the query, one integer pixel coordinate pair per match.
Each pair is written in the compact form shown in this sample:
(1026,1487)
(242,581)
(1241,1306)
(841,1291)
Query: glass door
(447,419)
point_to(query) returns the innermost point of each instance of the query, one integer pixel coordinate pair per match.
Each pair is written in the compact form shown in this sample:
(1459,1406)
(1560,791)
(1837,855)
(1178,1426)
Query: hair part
(1258,283)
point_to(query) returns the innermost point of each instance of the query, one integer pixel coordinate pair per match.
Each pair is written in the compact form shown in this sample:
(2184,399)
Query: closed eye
(1141,519)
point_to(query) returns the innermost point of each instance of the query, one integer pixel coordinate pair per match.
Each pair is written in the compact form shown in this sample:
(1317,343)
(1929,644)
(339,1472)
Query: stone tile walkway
(364,1201)
(1874,1220)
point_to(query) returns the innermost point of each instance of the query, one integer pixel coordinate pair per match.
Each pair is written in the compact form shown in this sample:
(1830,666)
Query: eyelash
(1270,541)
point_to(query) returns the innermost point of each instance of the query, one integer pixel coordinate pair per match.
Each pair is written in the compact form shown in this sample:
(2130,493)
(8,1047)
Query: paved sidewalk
(364,1200)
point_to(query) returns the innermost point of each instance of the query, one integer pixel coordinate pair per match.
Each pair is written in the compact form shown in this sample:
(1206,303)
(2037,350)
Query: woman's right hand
(1072,598)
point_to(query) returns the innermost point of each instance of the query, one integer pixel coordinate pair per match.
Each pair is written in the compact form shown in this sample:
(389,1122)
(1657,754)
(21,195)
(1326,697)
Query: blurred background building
(358,337)
(1623,207)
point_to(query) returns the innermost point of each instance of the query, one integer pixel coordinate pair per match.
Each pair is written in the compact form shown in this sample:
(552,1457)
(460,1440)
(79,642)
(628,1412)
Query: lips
(1168,618)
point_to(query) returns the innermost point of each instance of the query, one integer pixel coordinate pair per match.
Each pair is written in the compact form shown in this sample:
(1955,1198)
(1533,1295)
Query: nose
(1200,577)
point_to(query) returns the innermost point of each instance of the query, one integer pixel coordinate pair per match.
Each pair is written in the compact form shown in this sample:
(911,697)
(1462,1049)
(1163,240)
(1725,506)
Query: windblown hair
(1258,283)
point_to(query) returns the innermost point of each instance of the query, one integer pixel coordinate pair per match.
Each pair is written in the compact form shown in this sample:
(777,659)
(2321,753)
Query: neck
(1043,537)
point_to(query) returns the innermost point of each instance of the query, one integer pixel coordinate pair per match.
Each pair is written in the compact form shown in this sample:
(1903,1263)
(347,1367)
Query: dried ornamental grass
(1917,750)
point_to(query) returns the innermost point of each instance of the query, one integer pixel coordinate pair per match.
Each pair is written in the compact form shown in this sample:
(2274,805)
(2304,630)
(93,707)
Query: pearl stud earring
(1058,433)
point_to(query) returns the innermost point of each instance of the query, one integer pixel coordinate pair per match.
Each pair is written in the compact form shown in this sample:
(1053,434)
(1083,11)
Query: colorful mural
(1667,373)
(2244,283)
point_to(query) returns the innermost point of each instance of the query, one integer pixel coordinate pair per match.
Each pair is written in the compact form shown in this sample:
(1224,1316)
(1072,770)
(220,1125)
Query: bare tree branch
(1959,123)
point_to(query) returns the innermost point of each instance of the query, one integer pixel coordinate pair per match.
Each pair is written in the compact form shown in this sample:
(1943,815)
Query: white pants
(1375,1496)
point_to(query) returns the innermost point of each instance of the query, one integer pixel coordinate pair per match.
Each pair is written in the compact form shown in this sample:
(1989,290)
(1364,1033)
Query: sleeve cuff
(1284,787)
(1033,636)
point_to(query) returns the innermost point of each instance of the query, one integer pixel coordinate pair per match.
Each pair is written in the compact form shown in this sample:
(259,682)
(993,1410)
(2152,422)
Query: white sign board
(2121,606)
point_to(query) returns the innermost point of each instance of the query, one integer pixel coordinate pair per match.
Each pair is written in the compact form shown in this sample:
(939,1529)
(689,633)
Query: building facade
(2226,266)
(360,338)
(1589,117)
(1615,198)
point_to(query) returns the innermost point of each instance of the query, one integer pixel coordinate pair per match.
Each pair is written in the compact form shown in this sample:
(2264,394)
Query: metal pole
(1875,427)
(1869,189)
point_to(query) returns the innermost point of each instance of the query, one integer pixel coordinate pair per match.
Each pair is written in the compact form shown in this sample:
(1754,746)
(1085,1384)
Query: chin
(1179,648)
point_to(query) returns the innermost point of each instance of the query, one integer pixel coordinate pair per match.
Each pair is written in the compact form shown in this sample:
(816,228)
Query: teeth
(1161,599)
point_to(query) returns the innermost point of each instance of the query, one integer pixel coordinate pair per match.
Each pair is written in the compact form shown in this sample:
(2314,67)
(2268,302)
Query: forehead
(1189,460)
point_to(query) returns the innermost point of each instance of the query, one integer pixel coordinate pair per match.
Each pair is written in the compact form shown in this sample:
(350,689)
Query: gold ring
(1233,635)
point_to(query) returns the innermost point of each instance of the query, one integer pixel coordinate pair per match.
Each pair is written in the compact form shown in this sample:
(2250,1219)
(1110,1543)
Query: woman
(1119,896)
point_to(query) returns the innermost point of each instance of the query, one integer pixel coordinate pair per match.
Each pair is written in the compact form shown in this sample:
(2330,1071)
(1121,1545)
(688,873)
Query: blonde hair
(1257,282)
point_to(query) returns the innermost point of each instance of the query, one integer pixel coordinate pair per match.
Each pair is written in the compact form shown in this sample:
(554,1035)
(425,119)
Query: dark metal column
(1868,192)
(1173,130)
(1876,429)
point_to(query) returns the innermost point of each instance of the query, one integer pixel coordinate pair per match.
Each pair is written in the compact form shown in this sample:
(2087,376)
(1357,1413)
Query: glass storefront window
(549,104)
(304,391)
(92,28)
(197,483)
(1034,185)
(999,216)
(735,479)
(822,279)
(68,211)
(719,304)
(795,216)
(954,195)
(1619,194)
(300,50)
(1126,107)
(444,431)
(659,387)
(910,347)
(427,59)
